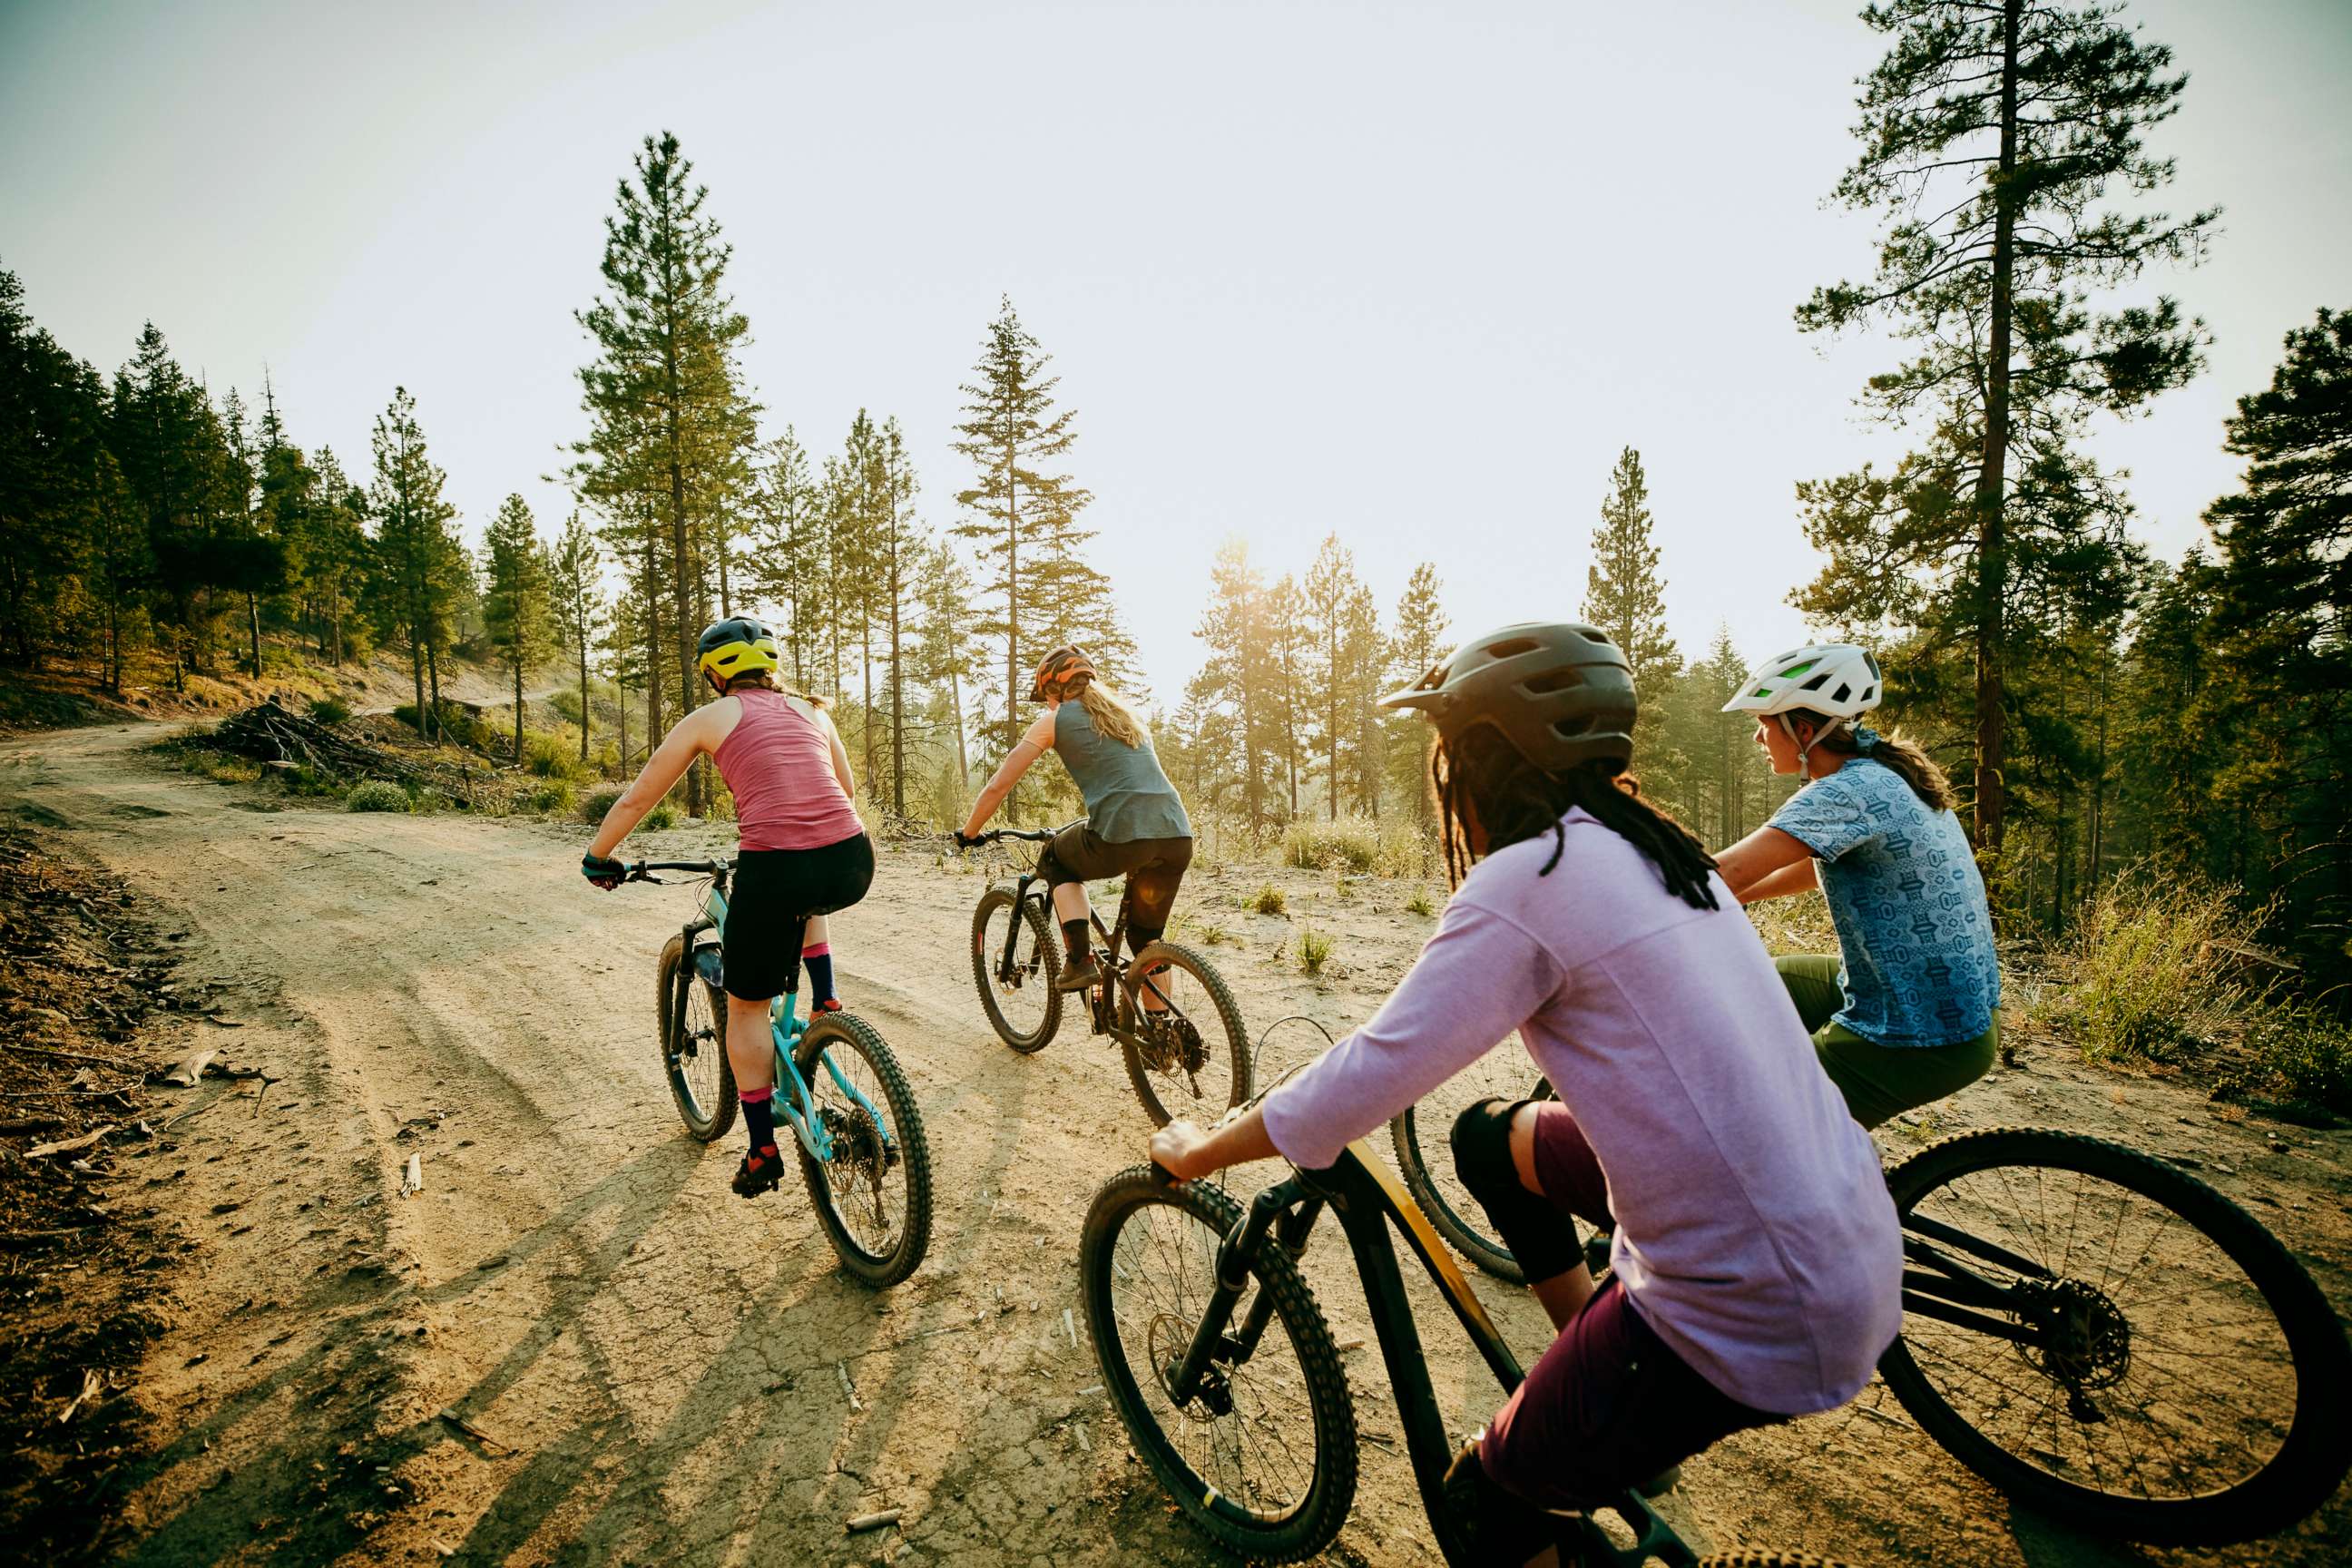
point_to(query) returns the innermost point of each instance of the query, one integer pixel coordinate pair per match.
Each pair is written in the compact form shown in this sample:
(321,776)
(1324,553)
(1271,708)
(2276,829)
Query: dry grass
(2147,973)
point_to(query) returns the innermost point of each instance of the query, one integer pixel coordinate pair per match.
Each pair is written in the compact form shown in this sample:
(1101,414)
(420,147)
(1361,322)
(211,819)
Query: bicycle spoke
(2155,1370)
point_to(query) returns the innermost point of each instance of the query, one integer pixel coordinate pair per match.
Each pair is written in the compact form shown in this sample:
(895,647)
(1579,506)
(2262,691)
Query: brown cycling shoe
(760,1171)
(1079,973)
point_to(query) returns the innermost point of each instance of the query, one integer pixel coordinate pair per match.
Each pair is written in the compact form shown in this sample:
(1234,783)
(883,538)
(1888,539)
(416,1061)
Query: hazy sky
(1411,273)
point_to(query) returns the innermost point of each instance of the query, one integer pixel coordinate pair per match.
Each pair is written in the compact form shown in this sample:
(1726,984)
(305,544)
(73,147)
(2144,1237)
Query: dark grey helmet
(1559,692)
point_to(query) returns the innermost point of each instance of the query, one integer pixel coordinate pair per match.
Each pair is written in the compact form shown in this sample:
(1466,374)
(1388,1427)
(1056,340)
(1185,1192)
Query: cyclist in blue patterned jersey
(1908,1011)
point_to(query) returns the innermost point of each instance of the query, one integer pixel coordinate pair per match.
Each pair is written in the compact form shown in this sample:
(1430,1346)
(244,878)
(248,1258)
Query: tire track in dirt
(659,1367)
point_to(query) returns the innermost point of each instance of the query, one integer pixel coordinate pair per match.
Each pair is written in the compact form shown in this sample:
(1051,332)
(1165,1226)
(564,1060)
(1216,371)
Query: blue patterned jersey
(1908,905)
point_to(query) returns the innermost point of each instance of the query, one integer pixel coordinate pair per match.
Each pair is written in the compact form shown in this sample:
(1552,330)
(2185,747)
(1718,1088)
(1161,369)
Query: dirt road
(643,1368)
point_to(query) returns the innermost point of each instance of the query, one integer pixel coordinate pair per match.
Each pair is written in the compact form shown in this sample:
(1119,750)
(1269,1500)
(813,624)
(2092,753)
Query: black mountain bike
(2093,1331)
(1220,1361)
(1176,1023)
(840,1094)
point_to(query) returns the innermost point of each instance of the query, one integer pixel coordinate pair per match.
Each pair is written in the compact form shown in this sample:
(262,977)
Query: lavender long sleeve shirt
(1754,1230)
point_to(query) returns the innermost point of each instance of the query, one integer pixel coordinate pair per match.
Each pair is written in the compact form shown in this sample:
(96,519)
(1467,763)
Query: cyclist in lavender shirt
(1756,1271)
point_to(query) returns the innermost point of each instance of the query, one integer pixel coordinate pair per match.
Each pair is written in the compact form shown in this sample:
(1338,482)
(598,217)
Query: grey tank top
(1128,797)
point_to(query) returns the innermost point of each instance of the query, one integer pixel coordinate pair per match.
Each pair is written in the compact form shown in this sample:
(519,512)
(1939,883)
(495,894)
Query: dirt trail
(652,1371)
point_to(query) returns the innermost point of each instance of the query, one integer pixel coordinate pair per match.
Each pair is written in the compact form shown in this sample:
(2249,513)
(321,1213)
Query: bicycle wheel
(1193,1060)
(1231,1457)
(2184,1380)
(1026,1009)
(692,1024)
(1503,1073)
(874,1196)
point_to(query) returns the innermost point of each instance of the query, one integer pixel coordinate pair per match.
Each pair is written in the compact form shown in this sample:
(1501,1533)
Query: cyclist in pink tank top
(801,852)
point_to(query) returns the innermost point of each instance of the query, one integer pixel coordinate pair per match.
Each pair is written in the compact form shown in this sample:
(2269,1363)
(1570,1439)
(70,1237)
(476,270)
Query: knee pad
(1540,1234)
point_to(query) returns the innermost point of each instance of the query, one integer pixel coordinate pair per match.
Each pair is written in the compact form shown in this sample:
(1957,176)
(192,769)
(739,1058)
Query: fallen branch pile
(275,735)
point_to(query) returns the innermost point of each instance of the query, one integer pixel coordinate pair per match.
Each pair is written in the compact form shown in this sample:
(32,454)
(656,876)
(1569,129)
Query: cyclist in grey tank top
(1135,822)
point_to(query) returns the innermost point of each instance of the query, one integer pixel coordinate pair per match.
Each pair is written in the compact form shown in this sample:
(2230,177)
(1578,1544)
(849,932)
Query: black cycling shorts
(774,894)
(1153,869)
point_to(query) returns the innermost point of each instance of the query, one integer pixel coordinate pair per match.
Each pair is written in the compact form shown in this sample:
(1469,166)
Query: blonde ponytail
(1111,717)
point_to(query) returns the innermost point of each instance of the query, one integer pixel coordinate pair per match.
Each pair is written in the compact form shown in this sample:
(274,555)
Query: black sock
(1074,937)
(759,1118)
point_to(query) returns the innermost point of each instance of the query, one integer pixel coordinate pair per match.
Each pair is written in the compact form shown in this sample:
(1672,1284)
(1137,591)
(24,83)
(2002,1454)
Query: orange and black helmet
(1059,668)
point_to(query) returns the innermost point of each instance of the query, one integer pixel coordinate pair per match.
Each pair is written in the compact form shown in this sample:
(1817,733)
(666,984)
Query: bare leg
(818,934)
(1070,902)
(1563,1295)
(750,1044)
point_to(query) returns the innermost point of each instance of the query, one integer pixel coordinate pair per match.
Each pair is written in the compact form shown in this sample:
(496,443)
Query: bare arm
(1035,743)
(688,738)
(1801,877)
(1747,864)
(1184,1151)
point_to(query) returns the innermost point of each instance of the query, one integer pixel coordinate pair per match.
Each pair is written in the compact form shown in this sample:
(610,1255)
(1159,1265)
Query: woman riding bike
(1910,1012)
(1135,823)
(802,853)
(1756,1264)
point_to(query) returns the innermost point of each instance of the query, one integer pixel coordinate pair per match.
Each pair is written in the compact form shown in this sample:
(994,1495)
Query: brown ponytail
(1898,755)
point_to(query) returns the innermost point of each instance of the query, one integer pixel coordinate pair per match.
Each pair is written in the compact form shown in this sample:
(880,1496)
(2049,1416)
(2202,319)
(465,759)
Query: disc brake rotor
(2087,1338)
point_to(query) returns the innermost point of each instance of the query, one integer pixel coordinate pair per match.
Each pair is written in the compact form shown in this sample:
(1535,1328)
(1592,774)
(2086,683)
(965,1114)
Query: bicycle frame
(798,1110)
(1103,1020)
(1367,1197)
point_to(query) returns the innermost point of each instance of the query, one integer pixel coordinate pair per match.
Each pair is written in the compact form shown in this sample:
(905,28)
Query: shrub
(554,795)
(662,815)
(1419,903)
(2146,971)
(598,801)
(459,724)
(566,703)
(1269,900)
(552,756)
(1322,845)
(329,710)
(376,794)
(2301,1053)
(1314,951)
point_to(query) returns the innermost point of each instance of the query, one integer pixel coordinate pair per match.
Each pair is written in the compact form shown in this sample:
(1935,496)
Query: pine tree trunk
(584,687)
(963,761)
(621,708)
(653,640)
(253,621)
(1012,618)
(681,560)
(432,674)
(1991,543)
(518,669)
(416,670)
(898,691)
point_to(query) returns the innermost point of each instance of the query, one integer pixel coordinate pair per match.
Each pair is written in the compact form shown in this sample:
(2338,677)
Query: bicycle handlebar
(640,871)
(1033,834)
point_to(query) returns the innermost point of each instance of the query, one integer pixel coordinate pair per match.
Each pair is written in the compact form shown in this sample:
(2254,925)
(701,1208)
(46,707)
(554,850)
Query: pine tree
(2282,620)
(1021,515)
(335,553)
(900,544)
(668,422)
(2010,123)
(165,439)
(578,602)
(1624,597)
(518,611)
(414,548)
(1413,651)
(1241,676)
(56,480)
(1330,596)
(949,653)
(788,548)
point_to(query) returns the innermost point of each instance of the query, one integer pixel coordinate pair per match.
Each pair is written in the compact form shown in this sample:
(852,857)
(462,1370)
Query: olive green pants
(1878,1081)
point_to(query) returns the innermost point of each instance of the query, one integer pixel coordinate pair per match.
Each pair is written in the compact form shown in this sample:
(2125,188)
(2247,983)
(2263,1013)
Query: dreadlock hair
(1481,777)
(1902,757)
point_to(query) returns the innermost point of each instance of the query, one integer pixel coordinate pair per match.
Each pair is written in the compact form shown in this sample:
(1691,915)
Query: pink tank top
(779,765)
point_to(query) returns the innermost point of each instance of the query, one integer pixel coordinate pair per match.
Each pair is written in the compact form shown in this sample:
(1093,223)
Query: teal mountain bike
(838,1088)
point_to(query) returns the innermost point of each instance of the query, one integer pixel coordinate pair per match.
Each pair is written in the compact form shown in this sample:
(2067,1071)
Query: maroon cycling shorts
(1609,1405)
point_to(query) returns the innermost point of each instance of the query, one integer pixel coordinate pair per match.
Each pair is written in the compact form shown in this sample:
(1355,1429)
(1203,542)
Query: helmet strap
(1804,747)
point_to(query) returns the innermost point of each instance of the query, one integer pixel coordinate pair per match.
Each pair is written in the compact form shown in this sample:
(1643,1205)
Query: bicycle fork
(1193,1377)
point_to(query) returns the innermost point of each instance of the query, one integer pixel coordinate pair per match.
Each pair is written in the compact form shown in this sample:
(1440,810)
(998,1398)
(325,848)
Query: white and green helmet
(1835,679)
